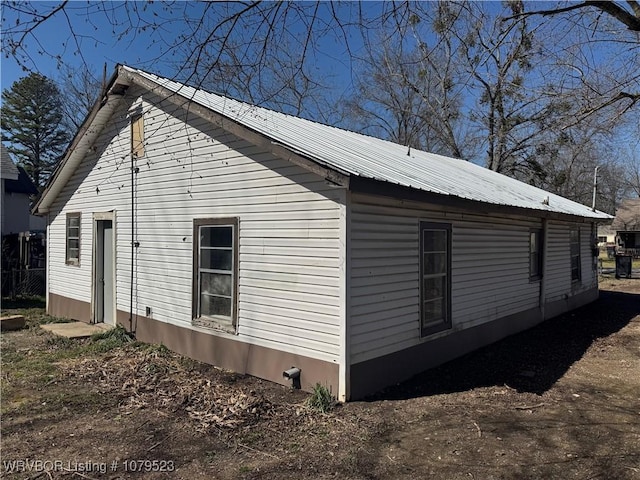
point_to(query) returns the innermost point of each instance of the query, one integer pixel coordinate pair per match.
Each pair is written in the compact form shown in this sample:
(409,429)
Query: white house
(259,241)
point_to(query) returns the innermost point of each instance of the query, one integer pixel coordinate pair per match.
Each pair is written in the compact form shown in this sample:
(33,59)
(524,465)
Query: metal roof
(341,151)
(8,168)
(368,157)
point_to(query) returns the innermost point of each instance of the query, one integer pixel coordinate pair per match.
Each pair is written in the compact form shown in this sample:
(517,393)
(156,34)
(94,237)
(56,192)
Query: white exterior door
(104,273)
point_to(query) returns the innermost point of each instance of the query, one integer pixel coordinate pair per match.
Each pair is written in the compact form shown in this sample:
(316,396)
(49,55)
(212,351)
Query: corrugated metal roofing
(368,157)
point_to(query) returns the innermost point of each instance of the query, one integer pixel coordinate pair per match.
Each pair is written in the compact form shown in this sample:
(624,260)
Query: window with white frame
(435,277)
(73,239)
(574,252)
(215,272)
(535,254)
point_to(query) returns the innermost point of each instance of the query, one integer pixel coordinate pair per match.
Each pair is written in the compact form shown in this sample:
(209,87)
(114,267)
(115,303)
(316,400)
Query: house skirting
(558,307)
(366,377)
(224,352)
(373,375)
(66,307)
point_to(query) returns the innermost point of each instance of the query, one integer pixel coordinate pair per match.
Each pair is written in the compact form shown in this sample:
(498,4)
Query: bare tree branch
(632,21)
(582,115)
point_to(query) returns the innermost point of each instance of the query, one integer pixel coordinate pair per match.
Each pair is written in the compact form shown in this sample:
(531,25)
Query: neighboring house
(626,225)
(17,190)
(606,236)
(259,241)
(606,240)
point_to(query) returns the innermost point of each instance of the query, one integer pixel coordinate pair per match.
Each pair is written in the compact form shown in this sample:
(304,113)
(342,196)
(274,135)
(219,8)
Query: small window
(137,136)
(215,272)
(535,254)
(574,252)
(73,239)
(435,277)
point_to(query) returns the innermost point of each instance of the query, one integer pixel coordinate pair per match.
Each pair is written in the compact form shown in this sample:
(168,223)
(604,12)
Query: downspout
(543,278)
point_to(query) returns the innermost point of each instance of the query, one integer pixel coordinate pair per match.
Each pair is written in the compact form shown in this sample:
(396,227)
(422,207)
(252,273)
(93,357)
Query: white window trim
(218,322)
(73,261)
(579,255)
(535,276)
(447,322)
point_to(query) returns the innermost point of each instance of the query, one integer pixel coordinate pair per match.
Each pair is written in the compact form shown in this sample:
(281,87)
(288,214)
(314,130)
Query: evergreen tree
(32,121)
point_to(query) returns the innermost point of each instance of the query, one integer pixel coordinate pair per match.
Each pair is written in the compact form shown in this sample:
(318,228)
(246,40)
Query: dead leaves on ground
(142,378)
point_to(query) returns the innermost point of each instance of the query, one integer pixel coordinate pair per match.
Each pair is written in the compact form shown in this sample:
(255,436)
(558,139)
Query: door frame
(97,217)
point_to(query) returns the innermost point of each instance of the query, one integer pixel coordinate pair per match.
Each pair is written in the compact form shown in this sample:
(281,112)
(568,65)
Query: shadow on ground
(23,302)
(530,361)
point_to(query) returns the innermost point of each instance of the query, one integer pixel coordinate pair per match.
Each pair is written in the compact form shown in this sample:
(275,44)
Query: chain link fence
(24,282)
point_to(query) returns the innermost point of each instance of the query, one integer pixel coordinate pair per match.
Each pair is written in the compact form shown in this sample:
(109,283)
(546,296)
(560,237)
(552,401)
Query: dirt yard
(559,401)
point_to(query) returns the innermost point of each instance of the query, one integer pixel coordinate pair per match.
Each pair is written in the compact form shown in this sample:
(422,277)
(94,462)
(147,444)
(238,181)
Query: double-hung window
(73,239)
(574,252)
(535,254)
(215,272)
(435,277)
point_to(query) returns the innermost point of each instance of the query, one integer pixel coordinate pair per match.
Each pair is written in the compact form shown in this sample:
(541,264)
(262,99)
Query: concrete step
(76,329)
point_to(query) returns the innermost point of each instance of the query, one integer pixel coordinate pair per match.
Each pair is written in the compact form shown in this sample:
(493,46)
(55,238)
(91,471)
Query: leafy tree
(32,121)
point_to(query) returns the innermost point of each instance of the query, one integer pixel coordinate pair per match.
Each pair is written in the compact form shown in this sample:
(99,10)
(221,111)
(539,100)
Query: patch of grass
(61,343)
(105,341)
(251,437)
(210,456)
(155,350)
(45,319)
(607,262)
(73,399)
(57,402)
(36,367)
(23,303)
(321,399)
(34,314)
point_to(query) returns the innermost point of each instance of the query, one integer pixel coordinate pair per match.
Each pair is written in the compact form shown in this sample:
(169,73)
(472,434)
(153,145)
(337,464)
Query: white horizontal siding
(490,274)
(69,280)
(589,267)
(558,280)
(289,228)
(558,274)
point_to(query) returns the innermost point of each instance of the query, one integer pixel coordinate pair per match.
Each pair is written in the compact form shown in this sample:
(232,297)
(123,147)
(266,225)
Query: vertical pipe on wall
(595,188)
(133,238)
(136,150)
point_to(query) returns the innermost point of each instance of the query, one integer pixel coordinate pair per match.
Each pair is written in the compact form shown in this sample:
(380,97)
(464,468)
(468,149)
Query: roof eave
(81,143)
(380,188)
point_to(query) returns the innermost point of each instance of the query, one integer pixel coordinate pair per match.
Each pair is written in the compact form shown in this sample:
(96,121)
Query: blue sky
(97,40)
(103,38)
